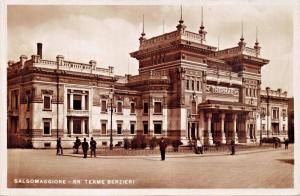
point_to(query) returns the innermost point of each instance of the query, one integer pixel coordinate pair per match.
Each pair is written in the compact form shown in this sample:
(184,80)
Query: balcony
(79,113)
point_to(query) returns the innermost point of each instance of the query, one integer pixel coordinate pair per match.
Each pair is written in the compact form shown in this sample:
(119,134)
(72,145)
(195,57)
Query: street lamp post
(57,94)
(111,96)
(268,112)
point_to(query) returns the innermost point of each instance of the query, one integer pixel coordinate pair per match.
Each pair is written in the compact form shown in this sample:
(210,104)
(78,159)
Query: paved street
(266,168)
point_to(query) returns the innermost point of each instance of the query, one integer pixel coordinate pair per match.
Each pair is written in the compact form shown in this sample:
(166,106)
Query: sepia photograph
(156,97)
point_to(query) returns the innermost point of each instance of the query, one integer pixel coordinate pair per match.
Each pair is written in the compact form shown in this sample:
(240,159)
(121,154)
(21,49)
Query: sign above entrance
(222,90)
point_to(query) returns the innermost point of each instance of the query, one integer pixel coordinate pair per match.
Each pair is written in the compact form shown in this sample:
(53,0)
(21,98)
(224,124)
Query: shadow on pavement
(290,161)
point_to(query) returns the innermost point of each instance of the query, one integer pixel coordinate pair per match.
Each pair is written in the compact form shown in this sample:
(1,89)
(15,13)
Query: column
(83,102)
(235,134)
(71,101)
(209,139)
(247,132)
(71,126)
(223,140)
(82,126)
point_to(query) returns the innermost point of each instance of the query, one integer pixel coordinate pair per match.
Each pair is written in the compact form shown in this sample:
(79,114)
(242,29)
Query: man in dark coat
(77,144)
(93,144)
(232,144)
(286,143)
(59,147)
(85,148)
(162,147)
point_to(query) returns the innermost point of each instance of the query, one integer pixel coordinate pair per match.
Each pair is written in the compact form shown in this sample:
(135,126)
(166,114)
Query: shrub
(153,143)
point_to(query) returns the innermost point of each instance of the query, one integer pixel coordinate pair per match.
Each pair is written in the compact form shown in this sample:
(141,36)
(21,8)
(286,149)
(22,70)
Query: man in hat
(93,144)
(85,148)
(162,147)
(59,149)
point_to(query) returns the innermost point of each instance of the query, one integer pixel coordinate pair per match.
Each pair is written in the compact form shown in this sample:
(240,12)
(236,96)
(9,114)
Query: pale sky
(109,33)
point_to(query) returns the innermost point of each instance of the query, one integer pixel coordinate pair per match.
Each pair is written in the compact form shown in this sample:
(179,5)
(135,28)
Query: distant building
(185,90)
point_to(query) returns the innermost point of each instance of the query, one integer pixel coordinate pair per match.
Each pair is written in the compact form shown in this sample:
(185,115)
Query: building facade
(185,90)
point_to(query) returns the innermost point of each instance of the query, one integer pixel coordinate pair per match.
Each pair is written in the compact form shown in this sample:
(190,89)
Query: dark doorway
(275,128)
(193,131)
(251,131)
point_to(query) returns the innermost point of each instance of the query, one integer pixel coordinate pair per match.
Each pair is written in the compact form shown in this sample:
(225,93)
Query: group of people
(84,145)
(199,147)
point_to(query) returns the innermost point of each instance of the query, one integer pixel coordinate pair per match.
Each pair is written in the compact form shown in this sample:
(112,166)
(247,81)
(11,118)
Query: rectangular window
(198,86)
(119,107)
(132,128)
(275,112)
(193,85)
(28,102)
(86,126)
(132,108)
(68,126)
(77,102)
(119,128)
(77,126)
(247,92)
(263,113)
(284,113)
(194,107)
(187,85)
(68,101)
(263,127)
(145,108)
(103,106)
(157,127)
(86,102)
(145,123)
(157,108)
(47,102)
(16,102)
(47,129)
(103,128)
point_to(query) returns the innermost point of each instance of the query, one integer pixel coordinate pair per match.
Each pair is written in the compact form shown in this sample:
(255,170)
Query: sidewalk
(182,152)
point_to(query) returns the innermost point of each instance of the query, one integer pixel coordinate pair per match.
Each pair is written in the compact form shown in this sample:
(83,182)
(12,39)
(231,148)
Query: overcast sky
(108,34)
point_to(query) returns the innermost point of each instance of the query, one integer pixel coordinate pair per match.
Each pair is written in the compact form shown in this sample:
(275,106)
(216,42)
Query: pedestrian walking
(85,148)
(232,144)
(59,149)
(286,143)
(93,144)
(77,144)
(162,147)
(199,146)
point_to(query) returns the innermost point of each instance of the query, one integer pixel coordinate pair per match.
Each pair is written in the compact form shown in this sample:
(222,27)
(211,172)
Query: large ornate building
(185,89)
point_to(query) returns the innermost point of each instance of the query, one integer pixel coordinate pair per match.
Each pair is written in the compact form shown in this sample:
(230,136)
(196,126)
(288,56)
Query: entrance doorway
(275,128)
(251,131)
(193,131)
